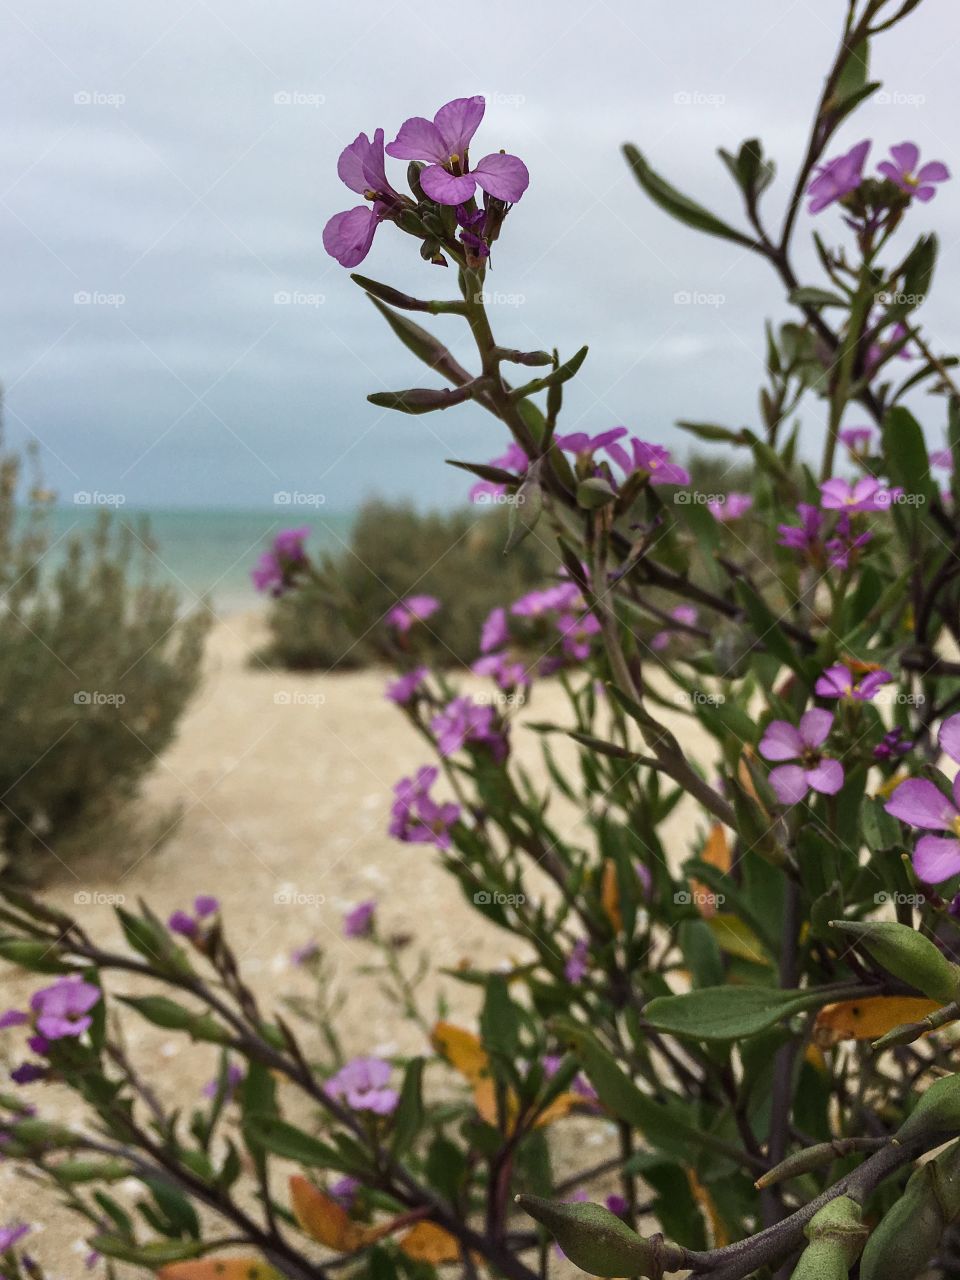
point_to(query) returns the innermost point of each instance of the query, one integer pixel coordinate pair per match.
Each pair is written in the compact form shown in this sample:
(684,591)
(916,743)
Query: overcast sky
(176,163)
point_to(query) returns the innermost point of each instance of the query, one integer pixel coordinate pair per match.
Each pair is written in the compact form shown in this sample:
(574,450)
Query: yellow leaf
(736,937)
(868,1019)
(610,894)
(322,1218)
(219,1269)
(463,1050)
(426,1242)
(561,1106)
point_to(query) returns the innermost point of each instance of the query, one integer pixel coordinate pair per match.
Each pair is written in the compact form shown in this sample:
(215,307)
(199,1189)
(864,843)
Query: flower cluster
(61,1011)
(363,1084)
(416,818)
(283,565)
(448,180)
(922,803)
(840,178)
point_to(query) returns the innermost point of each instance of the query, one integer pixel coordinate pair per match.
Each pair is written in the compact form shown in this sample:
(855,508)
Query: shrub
(762,1014)
(334,621)
(95,672)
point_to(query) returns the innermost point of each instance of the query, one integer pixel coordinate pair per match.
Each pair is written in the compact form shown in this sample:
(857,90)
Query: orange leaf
(561,1106)
(219,1269)
(463,1050)
(426,1242)
(610,894)
(868,1019)
(323,1219)
(716,853)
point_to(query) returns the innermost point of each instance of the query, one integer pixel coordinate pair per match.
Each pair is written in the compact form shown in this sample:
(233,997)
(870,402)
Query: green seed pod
(836,1234)
(600,1243)
(907,955)
(910,1231)
(938,1110)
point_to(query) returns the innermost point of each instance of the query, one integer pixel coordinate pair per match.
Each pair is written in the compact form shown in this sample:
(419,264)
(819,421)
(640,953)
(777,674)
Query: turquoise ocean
(207,552)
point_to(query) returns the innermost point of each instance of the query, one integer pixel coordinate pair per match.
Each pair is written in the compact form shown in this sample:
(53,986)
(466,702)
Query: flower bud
(599,1242)
(906,954)
(910,1231)
(938,1110)
(836,1234)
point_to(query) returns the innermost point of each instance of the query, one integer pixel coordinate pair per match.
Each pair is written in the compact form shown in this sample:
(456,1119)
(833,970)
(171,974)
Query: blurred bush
(394,552)
(95,670)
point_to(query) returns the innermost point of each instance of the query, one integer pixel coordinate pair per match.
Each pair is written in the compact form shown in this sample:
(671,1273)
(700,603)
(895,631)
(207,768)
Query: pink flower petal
(933,171)
(826,777)
(815,725)
(457,122)
(443,187)
(836,682)
(936,858)
(949,738)
(789,781)
(781,741)
(348,236)
(906,154)
(502,176)
(918,802)
(350,166)
(418,139)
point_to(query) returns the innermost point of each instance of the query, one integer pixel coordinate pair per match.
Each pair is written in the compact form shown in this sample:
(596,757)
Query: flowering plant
(732,959)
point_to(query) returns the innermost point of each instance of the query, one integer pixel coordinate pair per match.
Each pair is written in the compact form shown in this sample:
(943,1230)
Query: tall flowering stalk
(754,1007)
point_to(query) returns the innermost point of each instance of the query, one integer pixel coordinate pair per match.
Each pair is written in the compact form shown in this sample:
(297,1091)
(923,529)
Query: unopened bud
(938,1110)
(836,1234)
(599,1242)
(907,1237)
(906,954)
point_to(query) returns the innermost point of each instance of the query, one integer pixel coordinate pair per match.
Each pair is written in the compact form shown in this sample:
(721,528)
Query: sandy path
(283,782)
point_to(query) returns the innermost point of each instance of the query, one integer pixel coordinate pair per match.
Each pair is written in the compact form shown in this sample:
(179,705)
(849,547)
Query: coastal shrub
(95,671)
(719,1038)
(334,621)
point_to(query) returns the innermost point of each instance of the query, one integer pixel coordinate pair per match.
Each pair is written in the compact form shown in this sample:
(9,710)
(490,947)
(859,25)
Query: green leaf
(167,1013)
(408,1117)
(526,508)
(37,957)
(677,205)
(727,1013)
(811,296)
(287,1140)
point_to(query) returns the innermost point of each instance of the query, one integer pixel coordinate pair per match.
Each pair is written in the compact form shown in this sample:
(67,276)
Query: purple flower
(903,173)
(513,460)
(805,536)
(585,446)
(508,672)
(730,507)
(303,954)
(838,682)
(445,141)
(563,596)
(28,1073)
(344,1191)
(277,569)
(655,460)
(63,1008)
(578,961)
(183,923)
(865,494)
(495,631)
(234,1078)
(206,905)
(362,1085)
(348,236)
(842,546)
(685,614)
(358,923)
(13,1018)
(921,804)
(617,1204)
(837,178)
(893,743)
(412,609)
(464,721)
(415,817)
(784,741)
(857,439)
(10,1235)
(402,689)
(576,632)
